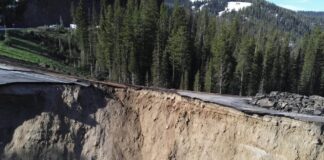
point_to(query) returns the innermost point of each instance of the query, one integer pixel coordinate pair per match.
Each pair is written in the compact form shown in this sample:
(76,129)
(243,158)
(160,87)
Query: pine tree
(197,83)
(166,69)
(234,35)
(207,64)
(61,22)
(320,62)
(7,38)
(203,36)
(135,61)
(297,65)
(208,78)
(116,26)
(128,37)
(296,69)
(160,46)
(244,66)
(178,48)
(311,73)
(82,32)
(149,17)
(184,81)
(178,45)
(224,61)
(274,83)
(285,66)
(318,81)
(93,37)
(105,55)
(256,76)
(268,62)
(218,61)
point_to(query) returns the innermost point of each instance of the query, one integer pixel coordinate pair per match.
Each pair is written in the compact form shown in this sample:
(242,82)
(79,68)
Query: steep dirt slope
(72,122)
(66,122)
(174,127)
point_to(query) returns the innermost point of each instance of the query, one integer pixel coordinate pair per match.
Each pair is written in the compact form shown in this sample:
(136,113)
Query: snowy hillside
(201,4)
(235,6)
(198,0)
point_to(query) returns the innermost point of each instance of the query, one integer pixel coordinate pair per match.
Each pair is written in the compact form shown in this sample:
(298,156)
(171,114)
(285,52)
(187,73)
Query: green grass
(27,45)
(30,57)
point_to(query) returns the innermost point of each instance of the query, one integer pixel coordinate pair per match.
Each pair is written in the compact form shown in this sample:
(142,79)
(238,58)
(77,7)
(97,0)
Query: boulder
(290,102)
(318,112)
(265,103)
(316,98)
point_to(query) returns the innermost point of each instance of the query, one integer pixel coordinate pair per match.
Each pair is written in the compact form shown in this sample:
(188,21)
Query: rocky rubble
(283,101)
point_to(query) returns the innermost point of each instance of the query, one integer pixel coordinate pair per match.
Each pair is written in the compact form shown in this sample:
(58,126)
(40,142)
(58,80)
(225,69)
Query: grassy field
(27,45)
(48,49)
(29,55)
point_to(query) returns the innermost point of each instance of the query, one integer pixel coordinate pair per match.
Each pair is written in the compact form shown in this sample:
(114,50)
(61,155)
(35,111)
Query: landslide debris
(65,122)
(99,122)
(290,102)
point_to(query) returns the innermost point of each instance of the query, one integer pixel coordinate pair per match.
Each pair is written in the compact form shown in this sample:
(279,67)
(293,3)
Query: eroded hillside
(51,121)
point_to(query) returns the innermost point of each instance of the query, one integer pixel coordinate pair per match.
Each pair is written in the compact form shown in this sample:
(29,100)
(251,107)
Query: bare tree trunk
(241,79)
(221,80)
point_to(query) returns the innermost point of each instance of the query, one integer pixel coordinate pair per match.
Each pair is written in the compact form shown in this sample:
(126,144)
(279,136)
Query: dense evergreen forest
(146,43)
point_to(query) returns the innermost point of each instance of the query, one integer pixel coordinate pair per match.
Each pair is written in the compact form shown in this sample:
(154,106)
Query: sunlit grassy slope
(30,53)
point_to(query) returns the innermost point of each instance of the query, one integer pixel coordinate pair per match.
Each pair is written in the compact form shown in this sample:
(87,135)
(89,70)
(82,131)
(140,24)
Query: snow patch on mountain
(202,6)
(198,0)
(235,6)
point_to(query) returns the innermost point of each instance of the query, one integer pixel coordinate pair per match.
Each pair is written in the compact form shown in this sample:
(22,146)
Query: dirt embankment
(72,122)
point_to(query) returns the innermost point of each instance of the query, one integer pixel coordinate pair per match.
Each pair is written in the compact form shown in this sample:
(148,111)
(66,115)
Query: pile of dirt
(283,101)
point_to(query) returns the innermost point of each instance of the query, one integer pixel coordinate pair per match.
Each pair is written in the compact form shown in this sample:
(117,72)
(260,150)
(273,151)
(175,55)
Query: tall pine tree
(159,76)
(82,32)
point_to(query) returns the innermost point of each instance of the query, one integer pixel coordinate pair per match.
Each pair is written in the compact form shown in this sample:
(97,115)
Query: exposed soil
(100,122)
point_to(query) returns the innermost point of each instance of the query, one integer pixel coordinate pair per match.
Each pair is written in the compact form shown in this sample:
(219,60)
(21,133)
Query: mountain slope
(265,13)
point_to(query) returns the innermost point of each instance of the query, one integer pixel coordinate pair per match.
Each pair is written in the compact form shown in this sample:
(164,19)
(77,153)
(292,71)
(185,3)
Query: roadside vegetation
(262,48)
(149,43)
(15,45)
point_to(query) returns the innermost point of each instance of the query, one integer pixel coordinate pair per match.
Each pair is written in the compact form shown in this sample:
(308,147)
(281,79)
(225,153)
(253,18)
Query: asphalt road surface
(241,104)
(11,29)
(10,74)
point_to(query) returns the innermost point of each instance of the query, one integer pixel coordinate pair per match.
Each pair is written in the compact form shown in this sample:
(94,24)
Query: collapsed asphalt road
(241,104)
(12,75)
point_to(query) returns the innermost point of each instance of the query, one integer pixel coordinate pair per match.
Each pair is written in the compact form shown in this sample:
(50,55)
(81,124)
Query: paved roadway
(241,104)
(10,75)
(11,29)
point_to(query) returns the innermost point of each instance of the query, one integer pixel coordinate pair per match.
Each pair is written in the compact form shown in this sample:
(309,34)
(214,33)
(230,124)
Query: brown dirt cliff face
(72,122)
(66,122)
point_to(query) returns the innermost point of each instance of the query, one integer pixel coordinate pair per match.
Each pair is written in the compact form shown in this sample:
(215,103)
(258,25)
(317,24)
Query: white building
(73,26)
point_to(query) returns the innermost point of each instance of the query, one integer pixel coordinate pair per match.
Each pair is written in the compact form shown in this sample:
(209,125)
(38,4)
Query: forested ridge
(147,42)
(266,13)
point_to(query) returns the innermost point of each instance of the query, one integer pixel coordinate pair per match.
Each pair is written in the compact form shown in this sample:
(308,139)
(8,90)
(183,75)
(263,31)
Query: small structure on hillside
(73,26)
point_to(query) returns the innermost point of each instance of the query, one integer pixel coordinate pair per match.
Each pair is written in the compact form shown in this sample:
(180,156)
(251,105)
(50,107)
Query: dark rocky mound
(283,101)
